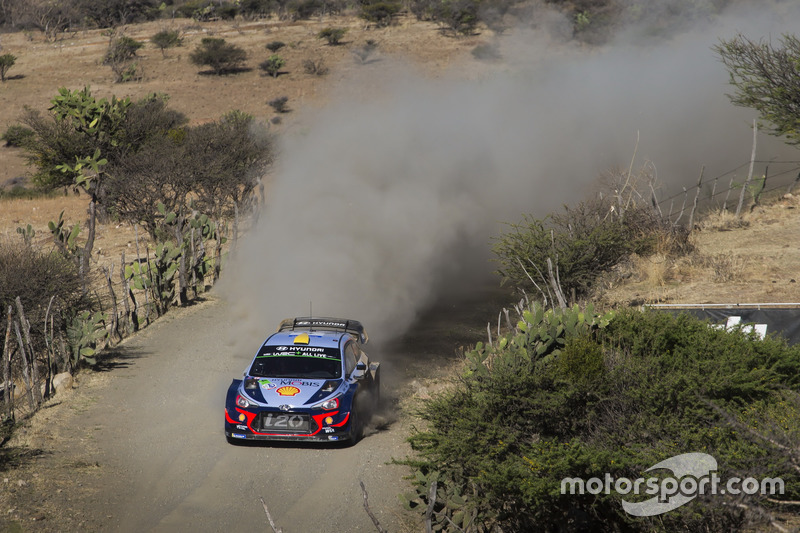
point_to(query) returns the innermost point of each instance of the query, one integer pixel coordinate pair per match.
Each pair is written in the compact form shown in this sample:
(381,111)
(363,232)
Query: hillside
(414,222)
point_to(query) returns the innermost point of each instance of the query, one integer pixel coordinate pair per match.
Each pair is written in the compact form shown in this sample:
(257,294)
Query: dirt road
(139,446)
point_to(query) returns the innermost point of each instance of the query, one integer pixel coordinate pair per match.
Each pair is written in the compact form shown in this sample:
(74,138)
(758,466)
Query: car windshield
(309,362)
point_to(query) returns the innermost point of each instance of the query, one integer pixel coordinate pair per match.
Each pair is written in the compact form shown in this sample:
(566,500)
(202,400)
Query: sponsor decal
(288,391)
(321,323)
(242,427)
(328,430)
(300,351)
(267,384)
(297,383)
(238,436)
(333,437)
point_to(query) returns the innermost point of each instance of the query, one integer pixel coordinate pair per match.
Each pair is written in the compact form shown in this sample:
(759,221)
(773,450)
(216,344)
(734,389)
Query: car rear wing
(353,327)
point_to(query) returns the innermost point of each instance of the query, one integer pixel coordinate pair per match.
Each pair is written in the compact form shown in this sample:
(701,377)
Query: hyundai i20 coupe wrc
(309,381)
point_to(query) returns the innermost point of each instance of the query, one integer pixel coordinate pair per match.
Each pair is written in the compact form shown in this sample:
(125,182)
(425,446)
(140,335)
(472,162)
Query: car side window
(349,359)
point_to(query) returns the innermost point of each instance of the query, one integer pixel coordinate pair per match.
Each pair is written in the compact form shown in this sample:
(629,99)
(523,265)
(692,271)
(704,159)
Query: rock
(62,382)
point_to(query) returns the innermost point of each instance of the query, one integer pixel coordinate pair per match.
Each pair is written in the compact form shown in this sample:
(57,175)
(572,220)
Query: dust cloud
(392,193)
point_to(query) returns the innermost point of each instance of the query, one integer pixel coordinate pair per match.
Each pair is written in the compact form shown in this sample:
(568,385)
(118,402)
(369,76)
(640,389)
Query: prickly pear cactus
(539,335)
(445,502)
(84,334)
(157,275)
(67,241)
(27,233)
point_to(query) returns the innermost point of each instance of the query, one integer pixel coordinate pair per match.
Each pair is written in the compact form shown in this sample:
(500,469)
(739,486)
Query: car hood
(280,391)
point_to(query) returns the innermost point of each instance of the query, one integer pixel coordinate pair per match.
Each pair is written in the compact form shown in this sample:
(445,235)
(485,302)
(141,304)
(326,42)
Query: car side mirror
(359,372)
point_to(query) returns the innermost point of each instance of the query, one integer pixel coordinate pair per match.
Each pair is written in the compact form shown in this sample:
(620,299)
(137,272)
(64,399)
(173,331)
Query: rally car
(309,381)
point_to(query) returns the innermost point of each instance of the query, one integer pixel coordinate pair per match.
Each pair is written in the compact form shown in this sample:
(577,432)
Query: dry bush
(722,220)
(727,267)
(35,276)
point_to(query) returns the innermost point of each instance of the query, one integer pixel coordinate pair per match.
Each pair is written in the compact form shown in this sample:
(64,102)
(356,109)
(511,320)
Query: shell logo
(287,391)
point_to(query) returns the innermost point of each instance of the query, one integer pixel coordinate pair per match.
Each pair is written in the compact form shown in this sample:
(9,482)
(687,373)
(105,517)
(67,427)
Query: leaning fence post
(8,386)
(683,207)
(750,173)
(696,194)
(114,312)
(730,188)
(26,328)
(25,375)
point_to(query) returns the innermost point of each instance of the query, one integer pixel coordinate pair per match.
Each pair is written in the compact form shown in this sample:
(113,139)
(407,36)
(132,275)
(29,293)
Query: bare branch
(369,512)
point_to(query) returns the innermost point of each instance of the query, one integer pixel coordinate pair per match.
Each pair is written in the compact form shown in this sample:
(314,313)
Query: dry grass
(746,260)
(75,61)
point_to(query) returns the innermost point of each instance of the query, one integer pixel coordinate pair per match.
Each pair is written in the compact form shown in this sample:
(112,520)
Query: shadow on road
(118,357)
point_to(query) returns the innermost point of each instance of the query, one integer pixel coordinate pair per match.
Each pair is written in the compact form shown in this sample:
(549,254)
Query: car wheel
(376,391)
(356,426)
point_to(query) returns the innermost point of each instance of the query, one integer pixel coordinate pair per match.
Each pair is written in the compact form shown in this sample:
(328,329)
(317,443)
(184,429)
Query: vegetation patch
(571,393)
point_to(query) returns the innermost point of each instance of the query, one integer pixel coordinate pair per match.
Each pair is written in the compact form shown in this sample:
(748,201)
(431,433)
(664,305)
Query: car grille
(286,423)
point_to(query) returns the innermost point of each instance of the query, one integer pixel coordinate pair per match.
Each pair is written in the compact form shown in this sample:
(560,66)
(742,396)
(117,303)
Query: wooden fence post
(26,328)
(694,205)
(8,384)
(25,374)
(750,173)
(114,313)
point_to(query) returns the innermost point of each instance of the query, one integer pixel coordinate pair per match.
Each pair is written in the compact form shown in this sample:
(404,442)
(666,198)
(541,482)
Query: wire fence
(768,177)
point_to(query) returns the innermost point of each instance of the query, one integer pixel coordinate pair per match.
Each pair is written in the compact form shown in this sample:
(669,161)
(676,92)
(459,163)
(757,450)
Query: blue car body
(309,381)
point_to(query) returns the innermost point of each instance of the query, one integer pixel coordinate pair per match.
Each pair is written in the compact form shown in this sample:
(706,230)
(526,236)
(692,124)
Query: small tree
(6,62)
(332,35)
(119,56)
(315,67)
(272,65)
(222,57)
(17,135)
(380,13)
(766,79)
(274,46)
(166,39)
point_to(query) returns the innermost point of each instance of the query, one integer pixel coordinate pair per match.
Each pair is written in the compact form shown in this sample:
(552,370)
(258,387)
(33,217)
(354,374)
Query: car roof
(322,339)
(307,323)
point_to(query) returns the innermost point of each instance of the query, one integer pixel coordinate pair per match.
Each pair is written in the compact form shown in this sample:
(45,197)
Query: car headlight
(242,402)
(331,385)
(329,404)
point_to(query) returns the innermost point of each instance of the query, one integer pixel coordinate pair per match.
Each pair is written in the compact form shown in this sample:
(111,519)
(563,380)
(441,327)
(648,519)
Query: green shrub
(17,135)
(119,56)
(256,8)
(227,11)
(6,62)
(279,104)
(380,13)
(527,413)
(305,9)
(315,67)
(486,52)
(166,39)
(272,65)
(222,57)
(121,49)
(582,242)
(274,46)
(332,35)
